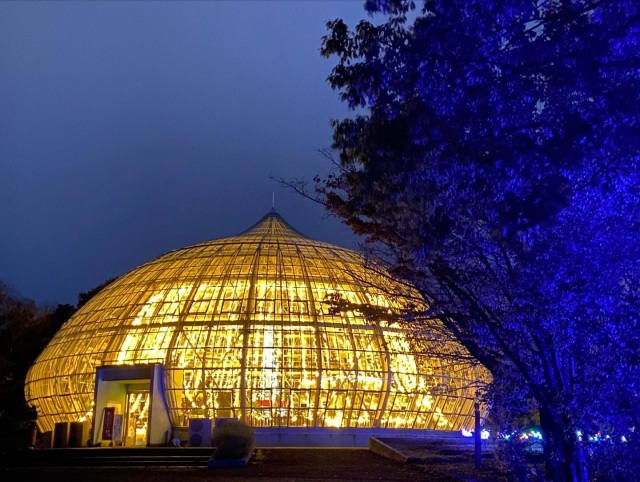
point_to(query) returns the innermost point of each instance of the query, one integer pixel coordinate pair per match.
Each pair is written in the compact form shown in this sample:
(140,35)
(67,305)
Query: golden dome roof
(242,329)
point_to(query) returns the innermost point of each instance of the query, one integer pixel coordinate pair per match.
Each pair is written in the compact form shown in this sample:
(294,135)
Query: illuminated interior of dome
(242,329)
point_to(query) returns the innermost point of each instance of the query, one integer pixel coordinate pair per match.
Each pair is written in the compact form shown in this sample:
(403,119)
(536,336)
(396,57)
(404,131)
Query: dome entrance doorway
(135,394)
(137,417)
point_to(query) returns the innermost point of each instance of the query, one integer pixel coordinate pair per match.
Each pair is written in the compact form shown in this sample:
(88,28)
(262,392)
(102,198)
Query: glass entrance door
(137,418)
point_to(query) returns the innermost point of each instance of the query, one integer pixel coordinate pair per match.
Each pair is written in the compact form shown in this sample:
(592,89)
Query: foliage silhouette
(494,163)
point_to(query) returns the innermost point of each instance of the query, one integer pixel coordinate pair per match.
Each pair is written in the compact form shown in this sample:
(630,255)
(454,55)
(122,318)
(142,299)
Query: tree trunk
(565,459)
(581,462)
(552,469)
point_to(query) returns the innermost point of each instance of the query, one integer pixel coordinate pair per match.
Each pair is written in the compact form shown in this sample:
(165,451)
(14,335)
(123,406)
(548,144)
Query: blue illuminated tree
(495,159)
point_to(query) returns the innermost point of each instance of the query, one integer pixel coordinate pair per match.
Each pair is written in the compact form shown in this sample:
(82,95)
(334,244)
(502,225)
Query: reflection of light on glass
(150,342)
(427,402)
(269,363)
(147,311)
(333,421)
(439,417)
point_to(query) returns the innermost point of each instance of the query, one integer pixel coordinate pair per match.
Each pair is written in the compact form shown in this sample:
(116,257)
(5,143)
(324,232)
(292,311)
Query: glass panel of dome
(243,321)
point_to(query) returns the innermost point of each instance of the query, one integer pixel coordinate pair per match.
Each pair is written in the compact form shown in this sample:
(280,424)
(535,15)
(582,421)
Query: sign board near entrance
(108,415)
(117,427)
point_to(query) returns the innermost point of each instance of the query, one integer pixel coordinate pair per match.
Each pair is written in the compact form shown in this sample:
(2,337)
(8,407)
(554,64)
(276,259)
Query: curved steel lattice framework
(242,329)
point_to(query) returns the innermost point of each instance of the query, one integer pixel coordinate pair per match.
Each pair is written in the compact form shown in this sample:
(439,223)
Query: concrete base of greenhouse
(344,437)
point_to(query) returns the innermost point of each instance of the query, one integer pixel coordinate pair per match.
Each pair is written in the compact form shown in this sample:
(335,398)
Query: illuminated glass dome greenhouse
(241,327)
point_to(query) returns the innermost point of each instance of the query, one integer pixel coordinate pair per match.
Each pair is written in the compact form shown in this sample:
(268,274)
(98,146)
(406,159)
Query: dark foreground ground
(267,464)
(271,465)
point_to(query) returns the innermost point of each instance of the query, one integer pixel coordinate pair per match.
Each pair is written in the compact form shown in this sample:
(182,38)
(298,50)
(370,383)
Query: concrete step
(107,457)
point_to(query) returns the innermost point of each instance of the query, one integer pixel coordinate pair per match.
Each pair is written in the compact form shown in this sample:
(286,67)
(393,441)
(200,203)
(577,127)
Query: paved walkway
(425,449)
(407,460)
(444,458)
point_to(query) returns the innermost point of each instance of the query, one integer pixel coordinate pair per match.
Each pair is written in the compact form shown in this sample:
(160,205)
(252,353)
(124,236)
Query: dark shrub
(233,440)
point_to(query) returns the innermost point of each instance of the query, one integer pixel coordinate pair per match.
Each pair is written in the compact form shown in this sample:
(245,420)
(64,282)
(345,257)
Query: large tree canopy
(495,158)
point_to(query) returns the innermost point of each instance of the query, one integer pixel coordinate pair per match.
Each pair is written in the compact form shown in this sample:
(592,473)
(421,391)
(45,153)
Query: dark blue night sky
(130,129)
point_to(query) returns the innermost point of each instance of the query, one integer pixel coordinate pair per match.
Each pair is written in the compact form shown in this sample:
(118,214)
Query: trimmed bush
(233,440)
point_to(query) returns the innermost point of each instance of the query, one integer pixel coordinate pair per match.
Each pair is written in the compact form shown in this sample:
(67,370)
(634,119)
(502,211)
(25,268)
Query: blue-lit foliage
(498,164)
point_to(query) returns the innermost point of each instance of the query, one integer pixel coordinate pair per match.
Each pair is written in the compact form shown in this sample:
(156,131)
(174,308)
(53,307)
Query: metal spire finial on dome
(273,222)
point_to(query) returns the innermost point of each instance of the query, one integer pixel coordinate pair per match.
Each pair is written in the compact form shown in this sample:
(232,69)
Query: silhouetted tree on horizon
(25,329)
